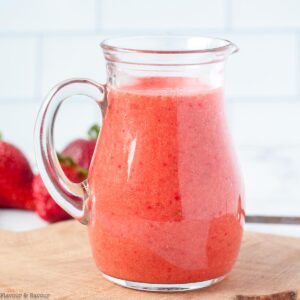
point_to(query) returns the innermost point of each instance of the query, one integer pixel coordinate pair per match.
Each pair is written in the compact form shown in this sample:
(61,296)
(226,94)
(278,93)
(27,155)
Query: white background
(45,41)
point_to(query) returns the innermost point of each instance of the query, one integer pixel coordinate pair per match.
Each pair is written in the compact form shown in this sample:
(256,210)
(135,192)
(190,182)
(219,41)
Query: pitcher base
(154,287)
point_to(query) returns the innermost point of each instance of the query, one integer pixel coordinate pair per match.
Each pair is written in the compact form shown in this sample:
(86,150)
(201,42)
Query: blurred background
(45,41)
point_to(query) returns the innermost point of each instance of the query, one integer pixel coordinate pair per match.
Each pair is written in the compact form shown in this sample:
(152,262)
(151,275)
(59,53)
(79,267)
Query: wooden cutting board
(56,260)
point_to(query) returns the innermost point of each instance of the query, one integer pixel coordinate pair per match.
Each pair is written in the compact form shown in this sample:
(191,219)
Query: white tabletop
(20,220)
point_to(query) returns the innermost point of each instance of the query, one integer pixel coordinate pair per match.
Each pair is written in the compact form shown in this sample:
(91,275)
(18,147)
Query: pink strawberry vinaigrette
(166,198)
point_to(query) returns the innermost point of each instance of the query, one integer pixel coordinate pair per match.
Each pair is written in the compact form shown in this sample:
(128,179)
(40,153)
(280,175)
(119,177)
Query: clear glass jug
(164,198)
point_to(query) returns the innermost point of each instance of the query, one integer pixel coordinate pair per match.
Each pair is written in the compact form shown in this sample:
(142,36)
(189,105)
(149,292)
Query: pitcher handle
(58,185)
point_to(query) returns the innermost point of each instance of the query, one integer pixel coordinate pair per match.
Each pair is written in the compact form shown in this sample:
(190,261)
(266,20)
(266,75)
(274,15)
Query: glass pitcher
(164,197)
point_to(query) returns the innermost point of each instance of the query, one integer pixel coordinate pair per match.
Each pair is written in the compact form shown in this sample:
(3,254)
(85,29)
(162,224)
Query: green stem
(1,136)
(84,172)
(69,162)
(94,132)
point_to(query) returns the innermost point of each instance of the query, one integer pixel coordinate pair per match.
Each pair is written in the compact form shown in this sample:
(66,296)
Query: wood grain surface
(56,260)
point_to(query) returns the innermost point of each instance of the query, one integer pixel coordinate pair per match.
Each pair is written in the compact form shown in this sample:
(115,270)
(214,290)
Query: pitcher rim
(107,45)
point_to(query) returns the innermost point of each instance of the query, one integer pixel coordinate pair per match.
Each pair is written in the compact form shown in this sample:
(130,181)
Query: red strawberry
(15,178)
(45,206)
(81,150)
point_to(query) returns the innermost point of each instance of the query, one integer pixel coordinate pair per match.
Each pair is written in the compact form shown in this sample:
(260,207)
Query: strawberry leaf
(93,132)
(69,162)
(66,160)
